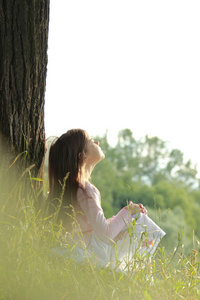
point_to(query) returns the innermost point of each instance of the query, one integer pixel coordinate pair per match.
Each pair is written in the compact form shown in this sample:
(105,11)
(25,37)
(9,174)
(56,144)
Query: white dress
(136,242)
(116,242)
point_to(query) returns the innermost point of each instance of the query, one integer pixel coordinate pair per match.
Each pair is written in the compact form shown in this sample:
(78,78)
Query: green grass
(30,270)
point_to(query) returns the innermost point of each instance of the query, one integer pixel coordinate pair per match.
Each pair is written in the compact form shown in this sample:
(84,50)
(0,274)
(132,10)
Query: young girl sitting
(113,241)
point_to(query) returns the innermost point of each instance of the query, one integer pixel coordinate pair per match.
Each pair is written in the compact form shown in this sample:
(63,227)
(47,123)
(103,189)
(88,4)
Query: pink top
(91,219)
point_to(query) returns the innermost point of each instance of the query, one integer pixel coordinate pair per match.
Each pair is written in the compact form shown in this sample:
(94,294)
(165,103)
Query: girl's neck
(88,171)
(85,174)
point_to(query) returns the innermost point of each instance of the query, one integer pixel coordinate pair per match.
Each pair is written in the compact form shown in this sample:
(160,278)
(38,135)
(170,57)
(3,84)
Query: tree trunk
(23,68)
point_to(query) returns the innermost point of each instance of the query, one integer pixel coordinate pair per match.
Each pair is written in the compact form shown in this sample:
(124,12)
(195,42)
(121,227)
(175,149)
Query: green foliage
(31,270)
(148,160)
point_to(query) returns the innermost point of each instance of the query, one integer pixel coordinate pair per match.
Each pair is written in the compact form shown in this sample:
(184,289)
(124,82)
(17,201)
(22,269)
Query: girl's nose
(96,142)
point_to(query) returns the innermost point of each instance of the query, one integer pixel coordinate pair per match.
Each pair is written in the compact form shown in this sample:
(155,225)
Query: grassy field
(30,270)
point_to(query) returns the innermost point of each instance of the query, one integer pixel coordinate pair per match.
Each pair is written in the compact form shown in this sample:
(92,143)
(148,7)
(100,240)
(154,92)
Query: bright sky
(126,64)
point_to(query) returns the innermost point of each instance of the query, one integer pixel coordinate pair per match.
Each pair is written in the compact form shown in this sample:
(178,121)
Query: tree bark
(23,67)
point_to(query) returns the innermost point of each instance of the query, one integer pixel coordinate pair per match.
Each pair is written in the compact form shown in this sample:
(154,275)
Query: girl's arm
(105,229)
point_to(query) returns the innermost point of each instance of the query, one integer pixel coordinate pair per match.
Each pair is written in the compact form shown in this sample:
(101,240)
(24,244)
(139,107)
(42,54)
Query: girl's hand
(136,208)
(143,209)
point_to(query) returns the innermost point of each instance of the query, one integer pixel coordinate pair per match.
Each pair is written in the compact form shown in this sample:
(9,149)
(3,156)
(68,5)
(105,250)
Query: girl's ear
(82,156)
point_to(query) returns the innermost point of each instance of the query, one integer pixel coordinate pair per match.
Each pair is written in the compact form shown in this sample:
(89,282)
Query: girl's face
(94,153)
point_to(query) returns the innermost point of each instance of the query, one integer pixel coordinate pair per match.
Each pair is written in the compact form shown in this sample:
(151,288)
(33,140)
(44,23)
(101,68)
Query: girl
(113,241)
